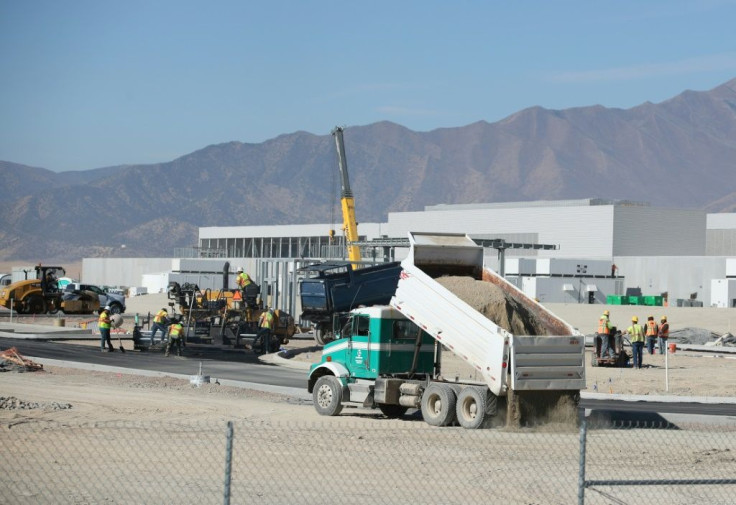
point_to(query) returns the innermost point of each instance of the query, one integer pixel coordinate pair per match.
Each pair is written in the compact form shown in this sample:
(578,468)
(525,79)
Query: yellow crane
(349,223)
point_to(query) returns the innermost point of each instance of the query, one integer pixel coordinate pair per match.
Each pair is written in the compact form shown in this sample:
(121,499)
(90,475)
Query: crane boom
(350,225)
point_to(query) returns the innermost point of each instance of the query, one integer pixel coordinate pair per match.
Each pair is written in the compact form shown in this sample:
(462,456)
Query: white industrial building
(680,252)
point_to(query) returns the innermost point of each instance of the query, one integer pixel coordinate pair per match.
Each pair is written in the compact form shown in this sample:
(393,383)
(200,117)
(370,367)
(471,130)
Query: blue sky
(93,83)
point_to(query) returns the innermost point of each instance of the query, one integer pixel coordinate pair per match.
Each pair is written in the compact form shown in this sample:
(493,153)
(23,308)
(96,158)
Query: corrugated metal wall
(679,276)
(648,231)
(720,242)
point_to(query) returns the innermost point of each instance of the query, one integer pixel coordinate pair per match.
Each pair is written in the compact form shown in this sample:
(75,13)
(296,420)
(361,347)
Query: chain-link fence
(338,461)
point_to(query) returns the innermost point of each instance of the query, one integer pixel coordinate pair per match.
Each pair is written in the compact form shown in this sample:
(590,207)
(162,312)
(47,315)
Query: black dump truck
(334,287)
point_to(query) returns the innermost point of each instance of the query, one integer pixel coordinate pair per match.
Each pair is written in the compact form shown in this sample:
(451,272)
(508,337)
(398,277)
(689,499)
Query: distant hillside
(679,153)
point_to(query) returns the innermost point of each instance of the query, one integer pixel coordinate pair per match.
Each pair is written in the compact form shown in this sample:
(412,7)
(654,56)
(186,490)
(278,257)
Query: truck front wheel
(327,396)
(438,405)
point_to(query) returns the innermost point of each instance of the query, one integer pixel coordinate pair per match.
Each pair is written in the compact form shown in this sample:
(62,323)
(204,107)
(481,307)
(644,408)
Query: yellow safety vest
(104,321)
(175,330)
(243,279)
(266,320)
(636,333)
(160,317)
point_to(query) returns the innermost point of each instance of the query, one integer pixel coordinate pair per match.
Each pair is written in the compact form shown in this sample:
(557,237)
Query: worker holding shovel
(104,323)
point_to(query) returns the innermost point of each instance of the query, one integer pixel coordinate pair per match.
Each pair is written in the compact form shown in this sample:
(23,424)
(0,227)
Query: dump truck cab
(374,345)
(378,341)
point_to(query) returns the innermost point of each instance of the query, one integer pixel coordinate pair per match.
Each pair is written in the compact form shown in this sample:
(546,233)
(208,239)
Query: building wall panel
(648,231)
(578,231)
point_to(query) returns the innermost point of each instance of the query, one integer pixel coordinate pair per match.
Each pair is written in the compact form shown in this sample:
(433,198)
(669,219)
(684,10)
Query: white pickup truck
(380,363)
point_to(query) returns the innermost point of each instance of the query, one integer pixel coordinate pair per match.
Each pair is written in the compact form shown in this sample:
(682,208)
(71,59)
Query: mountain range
(680,153)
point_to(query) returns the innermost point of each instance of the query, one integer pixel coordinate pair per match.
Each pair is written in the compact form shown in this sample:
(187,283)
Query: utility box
(723,293)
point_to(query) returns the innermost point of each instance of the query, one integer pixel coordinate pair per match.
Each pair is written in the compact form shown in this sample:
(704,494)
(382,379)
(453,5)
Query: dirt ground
(134,416)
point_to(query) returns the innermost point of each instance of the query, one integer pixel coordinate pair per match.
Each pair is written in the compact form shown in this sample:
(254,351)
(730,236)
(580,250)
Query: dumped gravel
(493,303)
(13,403)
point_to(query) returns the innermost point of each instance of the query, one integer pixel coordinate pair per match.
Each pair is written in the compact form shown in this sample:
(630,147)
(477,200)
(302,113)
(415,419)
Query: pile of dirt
(493,303)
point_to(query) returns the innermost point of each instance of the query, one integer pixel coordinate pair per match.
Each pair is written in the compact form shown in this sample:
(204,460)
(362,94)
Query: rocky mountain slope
(678,153)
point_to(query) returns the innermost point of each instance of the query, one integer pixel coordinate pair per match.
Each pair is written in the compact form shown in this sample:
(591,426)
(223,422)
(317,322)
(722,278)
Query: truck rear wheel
(318,336)
(327,396)
(473,407)
(438,405)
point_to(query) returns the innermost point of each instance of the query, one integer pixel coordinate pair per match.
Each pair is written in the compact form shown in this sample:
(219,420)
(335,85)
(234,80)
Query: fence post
(228,462)
(581,468)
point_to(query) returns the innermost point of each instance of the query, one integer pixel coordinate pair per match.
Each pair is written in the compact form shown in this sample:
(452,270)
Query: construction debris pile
(13,403)
(701,336)
(11,360)
(493,303)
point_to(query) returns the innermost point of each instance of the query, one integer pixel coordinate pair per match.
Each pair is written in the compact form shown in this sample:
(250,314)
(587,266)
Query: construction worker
(160,320)
(651,331)
(104,323)
(602,338)
(636,337)
(175,337)
(265,325)
(52,283)
(243,281)
(663,334)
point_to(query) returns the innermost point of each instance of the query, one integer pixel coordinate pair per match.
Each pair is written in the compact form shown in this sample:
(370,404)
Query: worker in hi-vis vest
(636,337)
(160,320)
(175,337)
(265,326)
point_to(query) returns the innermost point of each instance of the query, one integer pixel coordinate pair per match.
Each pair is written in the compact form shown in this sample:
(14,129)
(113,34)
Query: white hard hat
(107,307)
(240,269)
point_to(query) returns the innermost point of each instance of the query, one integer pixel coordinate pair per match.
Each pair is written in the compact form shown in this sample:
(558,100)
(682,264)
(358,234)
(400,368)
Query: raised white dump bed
(506,361)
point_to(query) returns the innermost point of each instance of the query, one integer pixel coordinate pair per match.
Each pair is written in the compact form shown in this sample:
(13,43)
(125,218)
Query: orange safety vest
(664,330)
(603,326)
(651,329)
